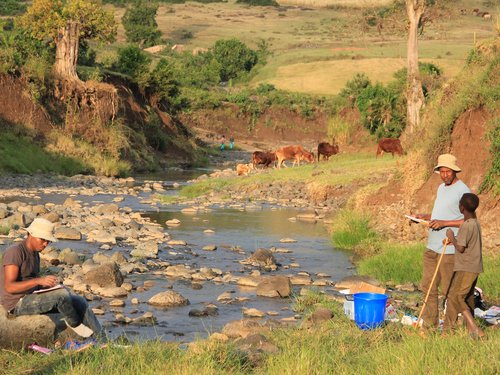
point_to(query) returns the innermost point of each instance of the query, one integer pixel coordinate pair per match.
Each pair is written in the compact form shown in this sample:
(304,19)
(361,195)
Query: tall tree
(64,23)
(414,93)
(140,24)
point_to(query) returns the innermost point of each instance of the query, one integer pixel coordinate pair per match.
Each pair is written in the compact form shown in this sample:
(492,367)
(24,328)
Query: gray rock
(274,286)
(106,209)
(106,275)
(69,256)
(18,332)
(168,299)
(262,257)
(67,234)
(147,249)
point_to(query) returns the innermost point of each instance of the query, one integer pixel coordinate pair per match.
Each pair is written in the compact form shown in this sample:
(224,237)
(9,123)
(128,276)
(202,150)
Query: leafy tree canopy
(46,17)
(132,61)
(140,24)
(234,57)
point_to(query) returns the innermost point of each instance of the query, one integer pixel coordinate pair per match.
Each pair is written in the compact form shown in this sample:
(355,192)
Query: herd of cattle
(298,153)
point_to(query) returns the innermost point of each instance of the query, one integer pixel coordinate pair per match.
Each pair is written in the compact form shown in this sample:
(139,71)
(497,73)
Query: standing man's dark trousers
(430,315)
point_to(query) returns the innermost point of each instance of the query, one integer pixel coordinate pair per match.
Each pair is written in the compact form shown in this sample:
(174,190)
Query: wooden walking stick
(446,242)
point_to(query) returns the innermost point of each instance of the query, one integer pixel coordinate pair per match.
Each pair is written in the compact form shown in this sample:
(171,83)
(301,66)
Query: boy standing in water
(468,266)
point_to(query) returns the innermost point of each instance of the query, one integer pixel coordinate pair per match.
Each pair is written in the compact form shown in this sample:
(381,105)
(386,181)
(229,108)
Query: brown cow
(391,145)
(295,153)
(243,169)
(327,150)
(263,157)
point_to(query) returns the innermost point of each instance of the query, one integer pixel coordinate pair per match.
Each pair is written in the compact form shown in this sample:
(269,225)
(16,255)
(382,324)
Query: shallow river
(249,230)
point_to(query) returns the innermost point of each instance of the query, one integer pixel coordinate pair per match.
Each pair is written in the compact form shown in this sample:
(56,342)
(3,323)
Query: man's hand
(48,281)
(437,224)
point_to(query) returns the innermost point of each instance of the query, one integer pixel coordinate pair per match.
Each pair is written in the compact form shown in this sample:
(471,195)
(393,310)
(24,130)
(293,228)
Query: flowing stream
(236,233)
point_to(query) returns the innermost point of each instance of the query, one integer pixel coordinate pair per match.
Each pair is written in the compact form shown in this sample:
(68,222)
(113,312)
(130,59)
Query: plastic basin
(369,309)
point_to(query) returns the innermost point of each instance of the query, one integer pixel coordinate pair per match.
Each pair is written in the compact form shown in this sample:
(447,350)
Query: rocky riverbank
(106,244)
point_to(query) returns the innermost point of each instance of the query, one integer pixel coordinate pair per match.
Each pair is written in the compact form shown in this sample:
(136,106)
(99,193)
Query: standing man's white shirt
(446,208)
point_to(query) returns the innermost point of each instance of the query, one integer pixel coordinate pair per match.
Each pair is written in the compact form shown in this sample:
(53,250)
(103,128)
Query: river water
(249,229)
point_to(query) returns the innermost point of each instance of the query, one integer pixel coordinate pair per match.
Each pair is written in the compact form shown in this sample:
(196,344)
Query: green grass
(335,347)
(18,154)
(396,263)
(351,228)
(489,280)
(341,169)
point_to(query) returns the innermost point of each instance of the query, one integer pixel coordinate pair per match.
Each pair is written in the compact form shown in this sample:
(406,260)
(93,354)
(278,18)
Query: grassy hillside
(316,50)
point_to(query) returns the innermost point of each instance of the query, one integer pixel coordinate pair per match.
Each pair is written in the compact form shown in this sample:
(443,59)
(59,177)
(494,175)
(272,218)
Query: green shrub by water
(397,263)
(350,228)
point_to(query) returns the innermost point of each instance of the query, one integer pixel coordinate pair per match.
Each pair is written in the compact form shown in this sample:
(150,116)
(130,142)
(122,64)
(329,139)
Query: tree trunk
(414,93)
(67,52)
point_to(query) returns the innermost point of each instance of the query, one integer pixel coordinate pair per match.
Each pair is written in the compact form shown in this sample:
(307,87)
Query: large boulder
(261,257)
(21,331)
(63,233)
(148,249)
(274,286)
(105,275)
(168,299)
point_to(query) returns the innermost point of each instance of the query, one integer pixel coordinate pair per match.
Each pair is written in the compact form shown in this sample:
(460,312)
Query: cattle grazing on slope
(265,158)
(391,145)
(295,153)
(327,150)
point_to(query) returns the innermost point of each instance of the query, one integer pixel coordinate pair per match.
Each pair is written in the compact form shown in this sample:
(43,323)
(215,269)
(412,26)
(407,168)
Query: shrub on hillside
(140,24)
(201,71)
(132,61)
(12,7)
(162,87)
(234,58)
(355,86)
(382,112)
(430,75)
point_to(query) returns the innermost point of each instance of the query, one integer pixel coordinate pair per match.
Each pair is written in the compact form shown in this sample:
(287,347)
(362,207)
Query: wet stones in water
(67,234)
(207,311)
(105,275)
(288,240)
(210,248)
(147,319)
(173,222)
(147,249)
(274,286)
(196,286)
(261,257)
(168,299)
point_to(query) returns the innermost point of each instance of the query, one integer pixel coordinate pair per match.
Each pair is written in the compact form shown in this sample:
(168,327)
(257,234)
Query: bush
(162,86)
(201,71)
(132,61)
(382,112)
(355,86)
(140,24)
(234,58)
(350,228)
(12,7)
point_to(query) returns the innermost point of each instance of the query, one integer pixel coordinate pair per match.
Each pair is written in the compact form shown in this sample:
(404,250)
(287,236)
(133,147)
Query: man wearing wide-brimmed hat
(20,280)
(445,214)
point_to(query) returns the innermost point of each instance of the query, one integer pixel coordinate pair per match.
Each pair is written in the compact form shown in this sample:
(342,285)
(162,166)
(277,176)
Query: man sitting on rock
(20,278)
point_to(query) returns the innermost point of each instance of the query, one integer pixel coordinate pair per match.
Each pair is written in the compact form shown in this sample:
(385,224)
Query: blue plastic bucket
(369,309)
